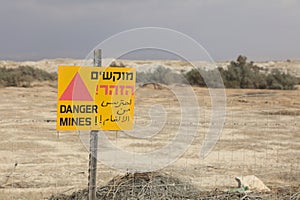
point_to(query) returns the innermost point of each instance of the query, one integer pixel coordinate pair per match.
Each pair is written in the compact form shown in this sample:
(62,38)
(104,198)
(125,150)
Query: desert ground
(260,137)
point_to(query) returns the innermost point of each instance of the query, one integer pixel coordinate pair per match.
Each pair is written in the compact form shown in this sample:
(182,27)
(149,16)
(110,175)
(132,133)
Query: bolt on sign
(95,98)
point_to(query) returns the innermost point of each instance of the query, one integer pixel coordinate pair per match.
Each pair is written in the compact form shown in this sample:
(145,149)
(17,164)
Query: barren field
(260,137)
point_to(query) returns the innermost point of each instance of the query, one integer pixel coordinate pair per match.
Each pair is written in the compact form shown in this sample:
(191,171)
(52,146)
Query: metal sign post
(92,186)
(79,108)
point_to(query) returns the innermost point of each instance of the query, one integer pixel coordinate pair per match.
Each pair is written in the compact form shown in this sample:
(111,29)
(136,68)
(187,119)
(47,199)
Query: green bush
(23,76)
(279,80)
(243,74)
(161,75)
(194,77)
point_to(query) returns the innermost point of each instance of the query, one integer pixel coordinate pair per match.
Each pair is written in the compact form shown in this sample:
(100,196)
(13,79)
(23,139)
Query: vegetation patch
(243,74)
(152,185)
(23,76)
(140,186)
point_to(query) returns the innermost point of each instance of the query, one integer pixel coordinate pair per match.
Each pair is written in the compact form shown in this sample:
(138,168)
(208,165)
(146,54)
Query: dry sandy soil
(260,137)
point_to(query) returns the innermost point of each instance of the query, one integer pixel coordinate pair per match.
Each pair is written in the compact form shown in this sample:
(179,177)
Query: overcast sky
(259,29)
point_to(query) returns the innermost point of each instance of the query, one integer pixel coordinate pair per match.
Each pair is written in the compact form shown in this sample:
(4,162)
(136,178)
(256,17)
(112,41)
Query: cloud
(70,28)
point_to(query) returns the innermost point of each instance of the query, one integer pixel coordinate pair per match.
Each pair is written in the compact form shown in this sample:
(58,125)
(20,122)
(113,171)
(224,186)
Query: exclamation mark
(96,120)
(96,89)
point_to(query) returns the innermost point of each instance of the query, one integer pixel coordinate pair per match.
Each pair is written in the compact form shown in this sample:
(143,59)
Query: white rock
(253,183)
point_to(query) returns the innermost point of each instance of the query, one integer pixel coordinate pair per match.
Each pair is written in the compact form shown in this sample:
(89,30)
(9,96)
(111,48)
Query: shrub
(194,77)
(279,80)
(23,76)
(161,75)
(243,74)
(115,64)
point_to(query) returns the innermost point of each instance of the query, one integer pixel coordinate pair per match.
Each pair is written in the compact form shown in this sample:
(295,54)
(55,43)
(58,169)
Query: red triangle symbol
(76,90)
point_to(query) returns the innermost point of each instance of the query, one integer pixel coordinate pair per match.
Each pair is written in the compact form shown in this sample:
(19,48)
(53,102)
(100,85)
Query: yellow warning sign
(95,98)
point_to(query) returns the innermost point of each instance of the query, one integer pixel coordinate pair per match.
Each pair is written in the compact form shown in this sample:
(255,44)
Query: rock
(253,183)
